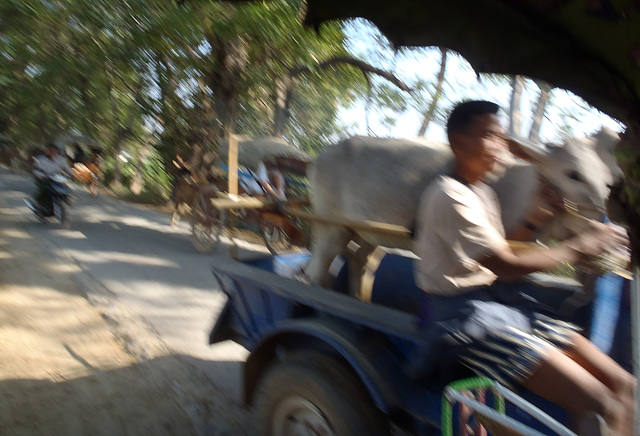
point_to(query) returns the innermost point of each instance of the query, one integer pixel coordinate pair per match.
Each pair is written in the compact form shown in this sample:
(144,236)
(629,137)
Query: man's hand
(597,239)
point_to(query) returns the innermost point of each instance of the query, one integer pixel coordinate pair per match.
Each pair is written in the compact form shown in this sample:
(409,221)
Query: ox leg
(178,212)
(175,202)
(329,242)
(175,217)
(357,260)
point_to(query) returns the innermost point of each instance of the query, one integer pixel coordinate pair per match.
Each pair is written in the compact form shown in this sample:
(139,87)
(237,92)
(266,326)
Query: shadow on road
(63,334)
(160,396)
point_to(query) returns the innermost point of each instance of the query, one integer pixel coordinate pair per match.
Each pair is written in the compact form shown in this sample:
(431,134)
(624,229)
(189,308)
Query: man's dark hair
(462,114)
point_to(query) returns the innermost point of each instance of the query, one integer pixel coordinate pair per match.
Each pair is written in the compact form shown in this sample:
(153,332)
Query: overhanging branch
(361,65)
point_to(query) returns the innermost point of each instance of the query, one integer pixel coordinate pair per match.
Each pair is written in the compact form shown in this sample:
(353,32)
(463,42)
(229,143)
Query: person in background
(79,156)
(94,163)
(266,180)
(474,285)
(275,180)
(46,166)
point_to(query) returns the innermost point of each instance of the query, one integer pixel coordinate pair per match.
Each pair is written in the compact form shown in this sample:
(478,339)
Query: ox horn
(525,149)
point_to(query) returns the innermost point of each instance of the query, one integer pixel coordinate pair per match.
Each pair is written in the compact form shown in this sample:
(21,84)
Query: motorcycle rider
(45,167)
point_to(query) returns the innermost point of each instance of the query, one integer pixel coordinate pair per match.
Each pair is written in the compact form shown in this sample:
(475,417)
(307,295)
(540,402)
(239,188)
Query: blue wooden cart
(322,362)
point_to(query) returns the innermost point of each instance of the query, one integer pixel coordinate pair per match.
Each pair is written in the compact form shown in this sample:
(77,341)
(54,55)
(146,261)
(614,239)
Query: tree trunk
(367,106)
(515,116)
(437,93)
(168,106)
(61,123)
(284,89)
(87,105)
(538,114)
(137,182)
(117,146)
(122,128)
(206,130)
(229,59)
(43,124)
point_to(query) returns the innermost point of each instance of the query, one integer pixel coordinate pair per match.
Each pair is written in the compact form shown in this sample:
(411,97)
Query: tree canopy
(182,74)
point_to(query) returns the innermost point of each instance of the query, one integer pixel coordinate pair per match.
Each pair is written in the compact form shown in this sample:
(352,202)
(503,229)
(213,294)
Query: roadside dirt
(73,362)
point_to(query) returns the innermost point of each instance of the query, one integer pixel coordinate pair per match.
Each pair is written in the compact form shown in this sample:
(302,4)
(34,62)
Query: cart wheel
(315,395)
(275,238)
(207,222)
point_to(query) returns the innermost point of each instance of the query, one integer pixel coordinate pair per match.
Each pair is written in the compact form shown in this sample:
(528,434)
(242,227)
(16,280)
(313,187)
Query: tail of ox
(382,179)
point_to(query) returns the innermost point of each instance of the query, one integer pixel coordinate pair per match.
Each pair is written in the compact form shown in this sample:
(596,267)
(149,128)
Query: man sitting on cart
(266,180)
(474,285)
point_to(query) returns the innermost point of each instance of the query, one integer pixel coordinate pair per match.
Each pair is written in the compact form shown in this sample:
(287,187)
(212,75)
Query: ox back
(382,180)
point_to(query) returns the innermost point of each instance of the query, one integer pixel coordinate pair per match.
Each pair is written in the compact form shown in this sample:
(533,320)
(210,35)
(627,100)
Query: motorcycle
(58,188)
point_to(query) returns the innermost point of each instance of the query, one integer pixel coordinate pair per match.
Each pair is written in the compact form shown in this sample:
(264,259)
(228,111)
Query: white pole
(635,331)
(233,164)
(233,186)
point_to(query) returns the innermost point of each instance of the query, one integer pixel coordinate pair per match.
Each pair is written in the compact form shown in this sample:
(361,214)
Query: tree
(515,116)
(284,86)
(539,110)
(436,95)
(186,73)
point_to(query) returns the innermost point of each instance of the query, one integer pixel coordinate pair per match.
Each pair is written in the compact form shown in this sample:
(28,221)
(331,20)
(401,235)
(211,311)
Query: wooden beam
(233,164)
(370,226)
(236,202)
(227,201)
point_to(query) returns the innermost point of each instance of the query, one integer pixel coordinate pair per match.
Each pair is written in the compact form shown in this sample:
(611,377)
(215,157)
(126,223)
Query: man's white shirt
(251,181)
(45,167)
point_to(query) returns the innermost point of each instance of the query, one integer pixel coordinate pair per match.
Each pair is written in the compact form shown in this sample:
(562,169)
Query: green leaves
(132,72)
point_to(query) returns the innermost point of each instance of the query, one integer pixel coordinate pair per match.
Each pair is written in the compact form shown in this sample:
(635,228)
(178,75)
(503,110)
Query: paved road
(149,267)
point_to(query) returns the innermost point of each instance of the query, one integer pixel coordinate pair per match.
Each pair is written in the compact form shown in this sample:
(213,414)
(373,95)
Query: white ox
(381,179)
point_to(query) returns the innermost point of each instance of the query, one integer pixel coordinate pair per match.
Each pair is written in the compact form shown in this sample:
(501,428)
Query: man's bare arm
(509,264)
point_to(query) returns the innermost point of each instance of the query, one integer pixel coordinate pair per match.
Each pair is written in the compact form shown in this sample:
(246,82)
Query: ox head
(575,171)
(605,142)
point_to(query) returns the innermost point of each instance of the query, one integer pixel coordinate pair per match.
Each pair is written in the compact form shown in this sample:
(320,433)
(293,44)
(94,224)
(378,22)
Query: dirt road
(73,362)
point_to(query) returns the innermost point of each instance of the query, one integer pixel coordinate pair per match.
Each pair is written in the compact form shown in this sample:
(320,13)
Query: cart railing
(470,395)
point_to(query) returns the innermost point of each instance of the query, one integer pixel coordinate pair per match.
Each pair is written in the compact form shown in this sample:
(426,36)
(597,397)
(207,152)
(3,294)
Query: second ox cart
(236,205)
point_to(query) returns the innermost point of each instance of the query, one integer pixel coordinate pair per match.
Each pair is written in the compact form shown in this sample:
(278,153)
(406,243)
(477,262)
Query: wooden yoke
(399,232)
(236,202)
(229,201)
(370,226)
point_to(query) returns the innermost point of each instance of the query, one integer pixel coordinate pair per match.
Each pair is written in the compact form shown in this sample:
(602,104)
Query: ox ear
(525,149)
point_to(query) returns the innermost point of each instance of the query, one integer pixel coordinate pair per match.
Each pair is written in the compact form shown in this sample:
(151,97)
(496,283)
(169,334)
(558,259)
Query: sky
(565,110)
